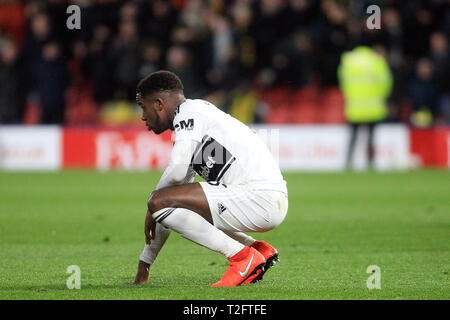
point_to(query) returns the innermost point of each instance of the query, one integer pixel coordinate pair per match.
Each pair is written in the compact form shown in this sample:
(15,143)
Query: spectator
(218,47)
(125,58)
(333,40)
(265,29)
(14,86)
(294,60)
(159,22)
(440,55)
(179,61)
(423,90)
(244,44)
(100,64)
(151,59)
(366,81)
(53,79)
(48,69)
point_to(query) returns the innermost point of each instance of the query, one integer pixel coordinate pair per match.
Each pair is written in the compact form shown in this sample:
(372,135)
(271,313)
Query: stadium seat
(305,113)
(331,106)
(32,114)
(304,106)
(278,102)
(277,115)
(81,107)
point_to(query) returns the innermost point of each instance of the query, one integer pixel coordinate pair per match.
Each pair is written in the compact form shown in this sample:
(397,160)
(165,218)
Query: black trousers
(370,151)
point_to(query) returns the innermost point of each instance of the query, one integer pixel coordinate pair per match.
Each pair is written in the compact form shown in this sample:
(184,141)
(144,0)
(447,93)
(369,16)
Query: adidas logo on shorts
(221,208)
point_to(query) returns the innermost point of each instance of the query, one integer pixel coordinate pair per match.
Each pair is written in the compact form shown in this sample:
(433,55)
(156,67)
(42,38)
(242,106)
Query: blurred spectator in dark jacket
(219,53)
(179,61)
(48,69)
(394,36)
(244,46)
(125,55)
(159,20)
(294,60)
(420,24)
(100,64)
(150,58)
(53,79)
(440,54)
(13,86)
(299,13)
(423,91)
(266,29)
(332,37)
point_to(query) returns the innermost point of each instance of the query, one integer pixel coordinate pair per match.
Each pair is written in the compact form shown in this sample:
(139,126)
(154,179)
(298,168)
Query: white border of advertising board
(30,148)
(324,147)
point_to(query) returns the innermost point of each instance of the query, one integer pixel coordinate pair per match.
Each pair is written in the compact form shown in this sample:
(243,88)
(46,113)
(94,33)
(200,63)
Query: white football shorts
(244,208)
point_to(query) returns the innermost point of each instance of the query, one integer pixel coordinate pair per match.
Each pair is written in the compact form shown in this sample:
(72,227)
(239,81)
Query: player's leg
(351,144)
(241,208)
(242,237)
(267,250)
(370,145)
(185,210)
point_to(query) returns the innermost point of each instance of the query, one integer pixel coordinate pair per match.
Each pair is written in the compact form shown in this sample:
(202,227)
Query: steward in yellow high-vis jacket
(366,82)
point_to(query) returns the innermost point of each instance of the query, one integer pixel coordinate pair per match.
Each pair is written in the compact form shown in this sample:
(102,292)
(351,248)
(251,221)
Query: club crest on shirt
(211,162)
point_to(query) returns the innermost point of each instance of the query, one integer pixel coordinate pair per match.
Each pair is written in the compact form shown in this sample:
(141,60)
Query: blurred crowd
(238,54)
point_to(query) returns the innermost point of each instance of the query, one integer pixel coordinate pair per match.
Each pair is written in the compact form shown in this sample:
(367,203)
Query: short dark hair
(159,81)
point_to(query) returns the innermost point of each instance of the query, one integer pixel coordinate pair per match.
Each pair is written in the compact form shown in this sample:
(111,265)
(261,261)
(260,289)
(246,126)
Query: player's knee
(157,201)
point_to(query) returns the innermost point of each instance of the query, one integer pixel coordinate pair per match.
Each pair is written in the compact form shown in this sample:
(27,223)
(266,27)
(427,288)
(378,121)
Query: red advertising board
(115,148)
(431,145)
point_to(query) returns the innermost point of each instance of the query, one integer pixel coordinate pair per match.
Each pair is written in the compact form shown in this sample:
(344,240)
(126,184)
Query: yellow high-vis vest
(366,82)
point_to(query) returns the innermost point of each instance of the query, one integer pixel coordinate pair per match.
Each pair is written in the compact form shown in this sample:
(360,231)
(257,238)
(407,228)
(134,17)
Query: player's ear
(159,104)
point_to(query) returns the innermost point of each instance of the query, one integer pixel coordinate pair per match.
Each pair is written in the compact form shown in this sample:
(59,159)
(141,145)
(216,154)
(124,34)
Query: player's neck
(178,100)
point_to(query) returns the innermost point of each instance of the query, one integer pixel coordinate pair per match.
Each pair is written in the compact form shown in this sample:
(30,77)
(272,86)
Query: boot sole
(269,264)
(254,274)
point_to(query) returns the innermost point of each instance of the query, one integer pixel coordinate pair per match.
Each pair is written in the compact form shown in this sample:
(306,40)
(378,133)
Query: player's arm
(179,171)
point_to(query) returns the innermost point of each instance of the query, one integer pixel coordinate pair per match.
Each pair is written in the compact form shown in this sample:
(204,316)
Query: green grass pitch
(337,225)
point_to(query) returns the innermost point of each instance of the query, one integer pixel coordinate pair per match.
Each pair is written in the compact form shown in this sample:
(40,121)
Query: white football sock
(243,238)
(194,227)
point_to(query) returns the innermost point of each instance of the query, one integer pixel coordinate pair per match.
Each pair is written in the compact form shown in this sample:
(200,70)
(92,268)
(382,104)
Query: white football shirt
(229,152)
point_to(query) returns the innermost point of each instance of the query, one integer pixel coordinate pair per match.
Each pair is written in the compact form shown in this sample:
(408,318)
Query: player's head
(159,94)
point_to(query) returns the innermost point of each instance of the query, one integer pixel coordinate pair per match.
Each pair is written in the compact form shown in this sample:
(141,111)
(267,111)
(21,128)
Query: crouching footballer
(244,189)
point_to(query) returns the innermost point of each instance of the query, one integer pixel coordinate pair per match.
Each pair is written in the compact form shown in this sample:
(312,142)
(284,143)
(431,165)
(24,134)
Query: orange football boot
(245,266)
(269,253)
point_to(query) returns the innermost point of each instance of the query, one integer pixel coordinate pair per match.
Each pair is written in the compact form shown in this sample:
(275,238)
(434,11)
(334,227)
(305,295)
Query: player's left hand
(149,229)
(142,275)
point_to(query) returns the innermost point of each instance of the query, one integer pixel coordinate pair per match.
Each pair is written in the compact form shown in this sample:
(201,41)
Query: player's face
(153,114)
